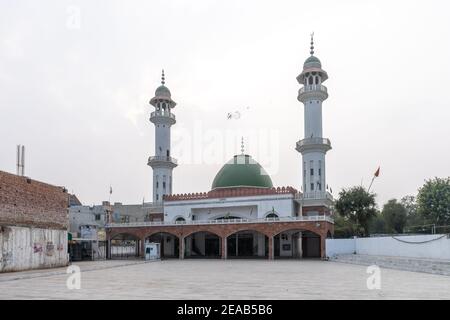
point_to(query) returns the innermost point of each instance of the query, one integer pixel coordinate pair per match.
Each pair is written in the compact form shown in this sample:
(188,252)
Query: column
(322,246)
(181,246)
(141,248)
(224,247)
(271,252)
(108,249)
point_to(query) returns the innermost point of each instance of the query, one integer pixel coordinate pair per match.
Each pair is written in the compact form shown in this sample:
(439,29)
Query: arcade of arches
(270,240)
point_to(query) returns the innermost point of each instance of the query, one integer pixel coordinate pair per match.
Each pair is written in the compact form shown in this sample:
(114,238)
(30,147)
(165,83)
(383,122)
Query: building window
(312,186)
(311,171)
(97,217)
(164,184)
(157,197)
(157,184)
(319,185)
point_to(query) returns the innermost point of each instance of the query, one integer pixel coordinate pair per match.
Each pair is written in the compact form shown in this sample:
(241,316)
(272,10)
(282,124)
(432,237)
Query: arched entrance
(202,244)
(124,246)
(169,244)
(247,244)
(296,244)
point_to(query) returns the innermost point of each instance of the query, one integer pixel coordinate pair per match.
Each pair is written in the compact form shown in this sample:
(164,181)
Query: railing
(219,221)
(315,195)
(162,114)
(162,158)
(313,141)
(157,204)
(313,87)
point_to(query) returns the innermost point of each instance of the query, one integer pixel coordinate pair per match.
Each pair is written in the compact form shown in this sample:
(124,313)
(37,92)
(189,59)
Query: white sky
(76,78)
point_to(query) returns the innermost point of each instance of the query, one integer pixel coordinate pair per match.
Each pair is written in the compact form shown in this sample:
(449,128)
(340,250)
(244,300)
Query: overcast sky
(76,78)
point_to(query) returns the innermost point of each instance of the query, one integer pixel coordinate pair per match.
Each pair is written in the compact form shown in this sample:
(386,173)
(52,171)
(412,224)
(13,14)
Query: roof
(242,171)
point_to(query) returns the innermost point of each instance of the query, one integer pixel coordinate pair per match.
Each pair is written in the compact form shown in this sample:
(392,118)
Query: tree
(433,201)
(358,206)
(343,228)
(414,220)
(377,224)
(394,215)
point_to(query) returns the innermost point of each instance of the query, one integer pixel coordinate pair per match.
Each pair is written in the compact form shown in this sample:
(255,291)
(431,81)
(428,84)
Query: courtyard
(222,279)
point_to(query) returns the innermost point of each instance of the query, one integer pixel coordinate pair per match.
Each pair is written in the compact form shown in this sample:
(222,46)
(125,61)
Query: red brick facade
(26,202)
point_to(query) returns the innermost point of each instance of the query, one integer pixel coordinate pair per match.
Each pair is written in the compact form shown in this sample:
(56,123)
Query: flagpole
(371,183)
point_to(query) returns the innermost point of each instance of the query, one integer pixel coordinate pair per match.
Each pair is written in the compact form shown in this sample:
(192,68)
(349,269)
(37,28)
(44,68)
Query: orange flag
(377,173)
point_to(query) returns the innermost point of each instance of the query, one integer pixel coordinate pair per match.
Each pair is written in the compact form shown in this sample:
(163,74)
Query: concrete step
(441,267)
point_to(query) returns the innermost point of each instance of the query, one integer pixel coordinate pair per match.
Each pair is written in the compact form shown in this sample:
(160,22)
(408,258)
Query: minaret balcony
(162,161)
(313,144)
(162,117)
(311,92)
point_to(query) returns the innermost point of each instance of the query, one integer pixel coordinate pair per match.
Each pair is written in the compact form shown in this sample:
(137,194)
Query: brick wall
(27,202)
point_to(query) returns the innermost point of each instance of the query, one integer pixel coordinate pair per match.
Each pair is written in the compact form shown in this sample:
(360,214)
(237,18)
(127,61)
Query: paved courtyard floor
(217,279)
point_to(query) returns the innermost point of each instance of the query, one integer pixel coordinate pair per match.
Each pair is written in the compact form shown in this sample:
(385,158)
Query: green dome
(162,90)
(313,62)
(242,171)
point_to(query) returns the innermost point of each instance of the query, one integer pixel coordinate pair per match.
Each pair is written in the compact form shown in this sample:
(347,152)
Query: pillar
(142,248)
(322,245)
(181,246)
(224,247)
(108,249)
(271,251)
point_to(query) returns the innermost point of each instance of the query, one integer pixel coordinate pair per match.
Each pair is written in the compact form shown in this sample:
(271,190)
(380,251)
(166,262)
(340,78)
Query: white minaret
(162,163)
(314,146)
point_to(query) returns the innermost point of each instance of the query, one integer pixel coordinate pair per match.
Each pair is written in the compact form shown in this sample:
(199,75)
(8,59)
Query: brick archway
(224,230)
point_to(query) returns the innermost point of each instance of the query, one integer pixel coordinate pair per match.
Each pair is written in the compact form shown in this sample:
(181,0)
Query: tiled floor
(217,279)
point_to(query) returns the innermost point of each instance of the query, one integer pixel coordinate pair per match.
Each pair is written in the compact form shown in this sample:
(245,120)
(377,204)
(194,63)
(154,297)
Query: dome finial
(312,44)
(163,78)
(242,145)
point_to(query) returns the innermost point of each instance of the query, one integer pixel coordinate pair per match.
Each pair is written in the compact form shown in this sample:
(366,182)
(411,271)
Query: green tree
(377,225)
(433,201)
(343,227)
(358,206)
(414,220)
(394,215)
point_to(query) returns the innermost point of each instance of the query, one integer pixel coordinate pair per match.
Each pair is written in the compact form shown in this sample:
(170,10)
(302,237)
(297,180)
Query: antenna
(23,161)
(20,160)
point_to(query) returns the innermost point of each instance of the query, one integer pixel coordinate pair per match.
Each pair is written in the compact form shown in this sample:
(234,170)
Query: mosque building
(244,214)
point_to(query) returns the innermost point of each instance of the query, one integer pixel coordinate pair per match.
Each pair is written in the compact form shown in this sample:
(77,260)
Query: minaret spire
(312,44)
(242,145)
(162,162)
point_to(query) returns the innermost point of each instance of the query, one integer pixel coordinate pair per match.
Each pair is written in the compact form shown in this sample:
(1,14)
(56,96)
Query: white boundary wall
(435,246)
(23,248)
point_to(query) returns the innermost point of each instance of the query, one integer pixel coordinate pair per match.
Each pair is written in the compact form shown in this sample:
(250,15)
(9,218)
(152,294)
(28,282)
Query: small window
(320,171)
(157,197)
(311,171)
(164,184)
(319,185)
(312,186)
(157,184)
(97,217)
